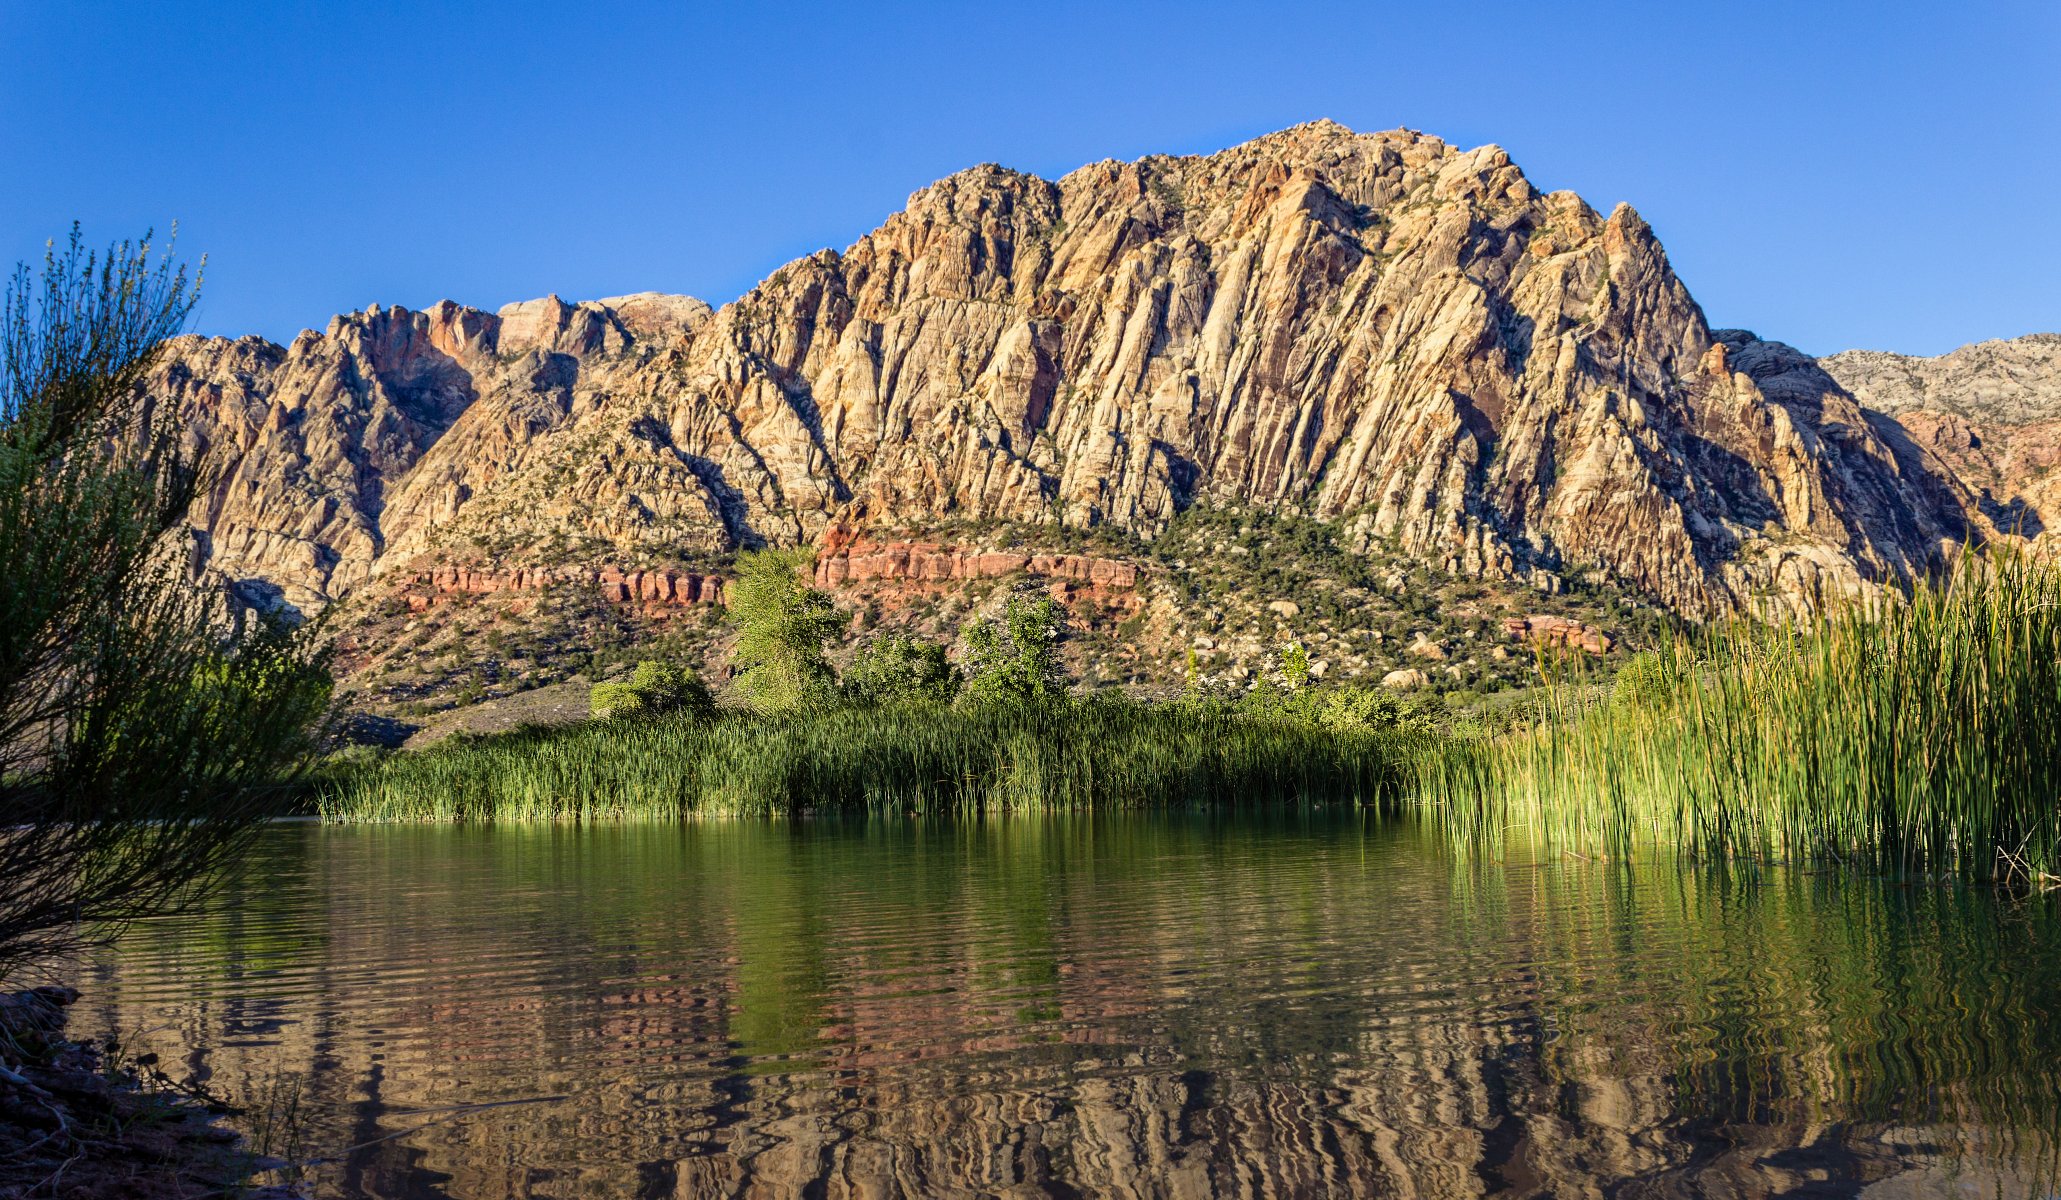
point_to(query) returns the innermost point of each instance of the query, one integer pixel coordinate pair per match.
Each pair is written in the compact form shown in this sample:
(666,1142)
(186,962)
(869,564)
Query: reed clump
(1917,734)
(905,757)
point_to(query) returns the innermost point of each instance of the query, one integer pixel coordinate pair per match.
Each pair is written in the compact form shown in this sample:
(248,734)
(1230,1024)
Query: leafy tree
(140,743)
(1014,658)
(782,628)
(656,686)
(900,668)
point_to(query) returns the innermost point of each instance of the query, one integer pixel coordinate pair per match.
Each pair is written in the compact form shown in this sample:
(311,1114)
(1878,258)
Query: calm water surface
(1121,1006)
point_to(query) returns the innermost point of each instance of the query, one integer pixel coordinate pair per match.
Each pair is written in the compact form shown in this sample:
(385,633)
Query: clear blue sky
(1884,175)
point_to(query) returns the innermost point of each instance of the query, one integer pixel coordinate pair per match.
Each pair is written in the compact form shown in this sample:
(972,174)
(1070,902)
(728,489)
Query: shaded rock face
(1377,329)
(1991,412)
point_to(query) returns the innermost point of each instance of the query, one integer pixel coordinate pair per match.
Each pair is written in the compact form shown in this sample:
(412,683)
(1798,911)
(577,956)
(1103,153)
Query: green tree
(1014,658)
(657,686)
(900,668)
(140,742)
(782,627)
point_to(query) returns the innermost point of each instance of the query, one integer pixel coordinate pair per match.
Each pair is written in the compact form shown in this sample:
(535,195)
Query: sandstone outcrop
(1991,412)
(1377,329)
(424,589)
(847,558)
(1564,632)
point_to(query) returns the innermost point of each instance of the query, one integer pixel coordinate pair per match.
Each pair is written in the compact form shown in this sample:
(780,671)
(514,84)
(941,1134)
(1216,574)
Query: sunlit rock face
(1379,329)
(1990,411)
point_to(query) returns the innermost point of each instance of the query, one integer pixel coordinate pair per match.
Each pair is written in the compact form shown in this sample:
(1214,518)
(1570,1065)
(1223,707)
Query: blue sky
(1883,175)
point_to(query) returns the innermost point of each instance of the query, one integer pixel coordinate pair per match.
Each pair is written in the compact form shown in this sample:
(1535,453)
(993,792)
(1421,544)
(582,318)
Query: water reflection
(1129,1006)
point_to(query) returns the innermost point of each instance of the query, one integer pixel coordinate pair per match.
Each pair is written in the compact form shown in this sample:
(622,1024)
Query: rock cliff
(1379,330)
(1991,412)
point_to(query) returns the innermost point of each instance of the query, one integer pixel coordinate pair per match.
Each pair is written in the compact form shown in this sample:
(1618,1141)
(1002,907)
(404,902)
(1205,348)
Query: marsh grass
(913,757)
(1910,736)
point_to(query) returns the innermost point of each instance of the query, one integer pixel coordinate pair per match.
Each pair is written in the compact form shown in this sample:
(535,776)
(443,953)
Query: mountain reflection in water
(1129,1005)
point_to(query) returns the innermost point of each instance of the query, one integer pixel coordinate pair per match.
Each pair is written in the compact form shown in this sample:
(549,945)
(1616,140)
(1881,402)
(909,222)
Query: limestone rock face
(1378,329)
(1991,412)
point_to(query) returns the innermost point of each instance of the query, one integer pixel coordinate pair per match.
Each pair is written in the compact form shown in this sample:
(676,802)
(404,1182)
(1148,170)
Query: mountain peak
(1377,330)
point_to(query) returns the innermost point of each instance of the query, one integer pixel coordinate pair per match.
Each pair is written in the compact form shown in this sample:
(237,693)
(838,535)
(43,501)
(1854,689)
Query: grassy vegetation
(1909,737)
(905,756)
(1912,736)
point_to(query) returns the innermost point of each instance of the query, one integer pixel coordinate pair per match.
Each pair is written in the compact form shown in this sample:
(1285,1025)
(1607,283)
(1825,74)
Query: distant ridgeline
(1379,331)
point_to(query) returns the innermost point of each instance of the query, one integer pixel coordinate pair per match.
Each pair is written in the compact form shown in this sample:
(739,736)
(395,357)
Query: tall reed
(905,757)
(1911,735)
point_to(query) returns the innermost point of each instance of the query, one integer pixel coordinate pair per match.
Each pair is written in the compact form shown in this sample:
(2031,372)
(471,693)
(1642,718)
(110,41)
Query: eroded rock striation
(1991,412)
(1377,329)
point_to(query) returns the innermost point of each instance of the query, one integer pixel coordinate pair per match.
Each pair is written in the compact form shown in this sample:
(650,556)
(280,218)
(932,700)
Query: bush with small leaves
(655,687)
(1295,666)
(141,744)
(1360,708)
(1643,684)
(900,668)
(1013,658)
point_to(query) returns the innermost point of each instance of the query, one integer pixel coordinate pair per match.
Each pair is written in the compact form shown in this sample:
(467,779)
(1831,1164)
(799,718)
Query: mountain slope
(1374,329)
(1990,411)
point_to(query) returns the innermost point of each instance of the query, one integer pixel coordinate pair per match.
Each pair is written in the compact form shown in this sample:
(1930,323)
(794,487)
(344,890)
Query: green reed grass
(1918,735)
(905,757)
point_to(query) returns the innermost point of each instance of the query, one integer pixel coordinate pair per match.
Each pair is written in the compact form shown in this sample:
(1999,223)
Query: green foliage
(1168,191)
(1918,735)
(1013,659)
(1096,753)
(1363,708)
(1642,684)
(782,628)
(900,668)
(139,742)
(657,686)
(1295,666)
(1348,708)
(1276,553)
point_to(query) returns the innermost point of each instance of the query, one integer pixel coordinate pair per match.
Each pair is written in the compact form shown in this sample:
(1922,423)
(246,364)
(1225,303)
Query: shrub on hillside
(900,668)
(1013,658)
(655,687)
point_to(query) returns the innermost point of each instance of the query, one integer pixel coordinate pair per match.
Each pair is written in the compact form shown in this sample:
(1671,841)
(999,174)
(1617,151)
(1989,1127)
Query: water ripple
(1140,1006)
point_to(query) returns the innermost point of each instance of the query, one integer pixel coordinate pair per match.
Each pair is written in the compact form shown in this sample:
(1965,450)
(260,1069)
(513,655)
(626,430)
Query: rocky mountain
(1990,411)
(1377,330)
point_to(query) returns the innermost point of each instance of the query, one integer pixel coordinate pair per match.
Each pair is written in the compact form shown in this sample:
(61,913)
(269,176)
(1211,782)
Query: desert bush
(783,626)
(1013,657)
(140,741)
(900,668)
(656,686)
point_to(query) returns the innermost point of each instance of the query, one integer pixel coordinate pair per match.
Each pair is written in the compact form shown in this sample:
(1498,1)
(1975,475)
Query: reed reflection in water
(1128,1005)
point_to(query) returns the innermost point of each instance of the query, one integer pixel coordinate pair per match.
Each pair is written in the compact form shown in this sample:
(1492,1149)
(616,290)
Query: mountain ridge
(1990,411)
(1377,330)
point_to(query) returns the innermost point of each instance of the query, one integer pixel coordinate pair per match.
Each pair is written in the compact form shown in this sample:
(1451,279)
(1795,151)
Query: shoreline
(76,1121)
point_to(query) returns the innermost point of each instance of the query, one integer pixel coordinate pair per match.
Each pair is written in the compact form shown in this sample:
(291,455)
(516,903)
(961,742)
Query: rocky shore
(77,1122)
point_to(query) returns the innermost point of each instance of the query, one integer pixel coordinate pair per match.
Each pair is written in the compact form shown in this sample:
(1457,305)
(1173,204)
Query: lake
(1186,1005)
